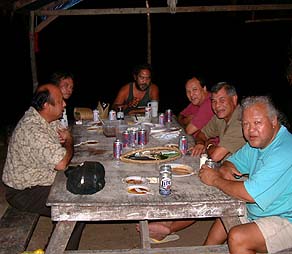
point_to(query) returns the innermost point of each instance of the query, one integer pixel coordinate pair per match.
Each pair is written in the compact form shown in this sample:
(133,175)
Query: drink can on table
(132,138)
(95,115)
(117,148)
(183,145)
(125,139)
(112,115)
(142,137)
(148,113)
(161,119)
(168,116)
(210,163)
(165,177)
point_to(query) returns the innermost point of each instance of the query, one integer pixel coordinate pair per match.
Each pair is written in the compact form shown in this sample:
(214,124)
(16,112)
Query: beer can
(125,139)
(161,119)
(95,115)
(117,149)
(142,137)
(168,116)
(148,112)
(165,177)
(210,163)
(112,115)
(183,145)
(132,138)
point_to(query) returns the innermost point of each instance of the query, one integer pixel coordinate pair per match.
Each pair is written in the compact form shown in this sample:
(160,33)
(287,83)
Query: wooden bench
(218,249)
(16,228)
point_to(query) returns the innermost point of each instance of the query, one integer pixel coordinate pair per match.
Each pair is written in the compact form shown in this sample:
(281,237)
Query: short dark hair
(40,97)
(58,76)
(140,67)
(230,89)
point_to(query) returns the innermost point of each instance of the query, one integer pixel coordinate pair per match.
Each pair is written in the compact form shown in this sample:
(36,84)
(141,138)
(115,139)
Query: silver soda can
(142,137)
(112,115)
(210,163)
(95,115)
(168,116)
(165,179)
(117,148)
(148,113)
(183,145)
(161,119)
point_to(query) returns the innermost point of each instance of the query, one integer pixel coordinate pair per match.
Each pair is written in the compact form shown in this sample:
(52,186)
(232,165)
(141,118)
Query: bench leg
(60,237)
(144,234)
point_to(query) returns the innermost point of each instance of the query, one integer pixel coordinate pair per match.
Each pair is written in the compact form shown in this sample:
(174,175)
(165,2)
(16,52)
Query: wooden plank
(16,228)
(188,9)
(58,241)
(219,249)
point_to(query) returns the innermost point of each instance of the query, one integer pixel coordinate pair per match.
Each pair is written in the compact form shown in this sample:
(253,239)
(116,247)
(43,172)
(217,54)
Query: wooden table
(190,198)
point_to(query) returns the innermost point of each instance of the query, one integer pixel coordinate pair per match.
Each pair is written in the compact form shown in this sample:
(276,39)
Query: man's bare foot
(157,230)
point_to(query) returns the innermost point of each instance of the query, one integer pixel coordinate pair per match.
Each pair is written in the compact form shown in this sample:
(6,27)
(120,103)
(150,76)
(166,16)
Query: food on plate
(135,180)
(138,189)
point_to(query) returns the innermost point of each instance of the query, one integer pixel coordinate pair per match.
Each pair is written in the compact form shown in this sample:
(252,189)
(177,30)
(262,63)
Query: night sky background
(101,51)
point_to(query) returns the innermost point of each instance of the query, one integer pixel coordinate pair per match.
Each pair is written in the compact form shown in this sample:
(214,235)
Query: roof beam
(220,8)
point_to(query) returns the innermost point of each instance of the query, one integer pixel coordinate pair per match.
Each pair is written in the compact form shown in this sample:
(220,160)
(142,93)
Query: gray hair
(230,89)
(265,100)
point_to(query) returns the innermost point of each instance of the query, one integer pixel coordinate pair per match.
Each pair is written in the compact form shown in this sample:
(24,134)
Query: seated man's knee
(235,235)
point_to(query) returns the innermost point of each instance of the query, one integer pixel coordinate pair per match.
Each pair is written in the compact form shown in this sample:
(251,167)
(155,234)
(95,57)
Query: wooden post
(32,51)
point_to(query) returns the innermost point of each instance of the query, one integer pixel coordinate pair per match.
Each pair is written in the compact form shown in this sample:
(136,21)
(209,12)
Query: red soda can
(183,145)
(117,149)
(125,140)
(168,116)
(133,138)
(142,138)
(161,119)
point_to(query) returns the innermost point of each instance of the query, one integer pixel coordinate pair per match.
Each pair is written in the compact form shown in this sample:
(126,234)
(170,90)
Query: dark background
(101,51)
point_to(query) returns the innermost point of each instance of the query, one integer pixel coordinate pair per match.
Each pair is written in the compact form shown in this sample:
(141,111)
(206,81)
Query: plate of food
(138,190)
(91,142)
(135,180)
(151,155)
(181,170)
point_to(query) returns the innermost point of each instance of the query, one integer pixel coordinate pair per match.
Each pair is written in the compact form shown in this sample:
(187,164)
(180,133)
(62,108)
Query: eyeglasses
(144,77)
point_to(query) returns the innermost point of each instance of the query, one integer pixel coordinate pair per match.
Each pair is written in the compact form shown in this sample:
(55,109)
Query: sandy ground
(118,235)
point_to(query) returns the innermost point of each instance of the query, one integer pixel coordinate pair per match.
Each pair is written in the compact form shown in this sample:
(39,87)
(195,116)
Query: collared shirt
(33,151)
(202,114)
(230,134)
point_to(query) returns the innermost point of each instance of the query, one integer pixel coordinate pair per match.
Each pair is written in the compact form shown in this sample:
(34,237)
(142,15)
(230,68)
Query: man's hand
(197,149)
(208,175)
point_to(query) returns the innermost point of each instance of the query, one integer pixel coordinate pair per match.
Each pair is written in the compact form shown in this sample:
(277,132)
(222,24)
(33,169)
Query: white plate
(181,170)
(139,190)
(92,128)
(135,180)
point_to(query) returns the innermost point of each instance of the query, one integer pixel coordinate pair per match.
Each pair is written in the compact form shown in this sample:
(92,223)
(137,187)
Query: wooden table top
(190,198)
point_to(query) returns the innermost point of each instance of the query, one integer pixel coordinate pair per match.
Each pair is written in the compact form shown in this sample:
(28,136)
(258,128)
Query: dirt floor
(104,235)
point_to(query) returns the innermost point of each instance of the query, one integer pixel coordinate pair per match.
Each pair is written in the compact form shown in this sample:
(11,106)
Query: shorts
(277,232)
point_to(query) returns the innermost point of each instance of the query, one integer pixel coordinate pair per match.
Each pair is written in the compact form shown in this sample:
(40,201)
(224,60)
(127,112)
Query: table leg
(144,234)
(60,237)
(230,222)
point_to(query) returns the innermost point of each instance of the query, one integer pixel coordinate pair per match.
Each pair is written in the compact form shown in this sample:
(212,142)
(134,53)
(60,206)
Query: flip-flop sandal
(168,238)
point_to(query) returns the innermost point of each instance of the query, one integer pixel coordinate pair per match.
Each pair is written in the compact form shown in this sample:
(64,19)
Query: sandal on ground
(168,238)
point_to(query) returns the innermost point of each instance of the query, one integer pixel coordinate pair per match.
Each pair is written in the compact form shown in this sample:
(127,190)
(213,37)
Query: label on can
(165,176)
(183,145)
(117,149)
